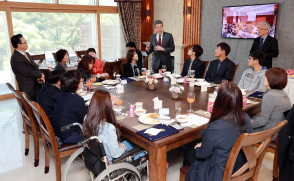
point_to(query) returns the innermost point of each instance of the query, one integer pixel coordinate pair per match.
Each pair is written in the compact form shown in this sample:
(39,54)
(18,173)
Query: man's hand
(158,48)
(197,146)
(147,48)
(122,145)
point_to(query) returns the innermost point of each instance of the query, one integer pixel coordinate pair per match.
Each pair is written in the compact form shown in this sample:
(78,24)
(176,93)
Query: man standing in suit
(221,68)
(25,69)
(266,44)
(162,44)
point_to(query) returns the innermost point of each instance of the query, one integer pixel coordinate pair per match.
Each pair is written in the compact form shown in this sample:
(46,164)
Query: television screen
(243,21)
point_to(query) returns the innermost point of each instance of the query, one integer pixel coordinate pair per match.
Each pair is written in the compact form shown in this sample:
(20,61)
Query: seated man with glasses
(266,44)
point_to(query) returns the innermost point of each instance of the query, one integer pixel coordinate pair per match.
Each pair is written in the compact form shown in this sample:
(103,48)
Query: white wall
(170,12)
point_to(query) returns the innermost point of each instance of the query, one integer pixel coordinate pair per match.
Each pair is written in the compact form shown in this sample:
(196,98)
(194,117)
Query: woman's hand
(104,74)
(122,145)
(98,75)
(197,146)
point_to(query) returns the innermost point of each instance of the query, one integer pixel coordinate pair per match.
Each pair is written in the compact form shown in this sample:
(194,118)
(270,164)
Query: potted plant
(151,81)
(176,90)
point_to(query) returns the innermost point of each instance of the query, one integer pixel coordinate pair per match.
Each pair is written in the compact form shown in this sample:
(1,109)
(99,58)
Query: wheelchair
(90,162)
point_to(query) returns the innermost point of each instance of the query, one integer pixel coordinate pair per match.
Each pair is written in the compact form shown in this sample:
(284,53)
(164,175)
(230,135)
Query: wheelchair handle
(81,143)
(67,127)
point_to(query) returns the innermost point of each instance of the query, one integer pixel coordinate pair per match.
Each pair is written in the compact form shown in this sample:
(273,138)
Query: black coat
(270,48)
(162,57)
(218,140)
(26,73)
(286,149)
(197,65)
(58,66)
(47,98)
(139,56)
(226,71)
(128,69)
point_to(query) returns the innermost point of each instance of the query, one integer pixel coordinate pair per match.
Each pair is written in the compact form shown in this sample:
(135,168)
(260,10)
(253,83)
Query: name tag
(164,111)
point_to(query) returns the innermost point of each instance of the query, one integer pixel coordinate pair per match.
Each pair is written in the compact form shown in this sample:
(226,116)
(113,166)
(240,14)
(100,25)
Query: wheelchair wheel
(74,169)
(120,172)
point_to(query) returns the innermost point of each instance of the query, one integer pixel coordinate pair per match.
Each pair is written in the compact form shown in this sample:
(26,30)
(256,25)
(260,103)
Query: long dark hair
(84,63)
(228,105)
(100,109)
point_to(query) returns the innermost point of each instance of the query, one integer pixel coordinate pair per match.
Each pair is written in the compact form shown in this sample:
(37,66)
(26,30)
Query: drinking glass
(93,78)
(163,67)
(192,73)
(89,84)
(178,107)
(190,99)
(118,102)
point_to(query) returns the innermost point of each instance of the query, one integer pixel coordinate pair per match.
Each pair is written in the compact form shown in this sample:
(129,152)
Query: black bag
(93,156)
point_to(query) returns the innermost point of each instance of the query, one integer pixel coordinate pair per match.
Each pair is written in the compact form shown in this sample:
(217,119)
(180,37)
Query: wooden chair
(40,57)
(49,139)
(29,123)
(80,54)
(250,170)
(273,148)
(111,68)
(54,56)
(236,68)
(122,68)
(205,67)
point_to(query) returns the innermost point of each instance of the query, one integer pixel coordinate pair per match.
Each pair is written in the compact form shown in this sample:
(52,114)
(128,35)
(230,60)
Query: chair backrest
(236,68)
(80,54)
(111,68)
(25,109)
(245,141)
(40,57)
(54,56)
(123,62)
(46,128)
(46,72)
(205,67)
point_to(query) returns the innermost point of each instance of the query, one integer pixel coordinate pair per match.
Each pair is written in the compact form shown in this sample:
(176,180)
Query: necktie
(218,66)
(261,43)
(159,40)
(27,57)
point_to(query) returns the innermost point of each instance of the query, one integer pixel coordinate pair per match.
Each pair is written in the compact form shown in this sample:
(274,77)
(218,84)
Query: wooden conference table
(137,91)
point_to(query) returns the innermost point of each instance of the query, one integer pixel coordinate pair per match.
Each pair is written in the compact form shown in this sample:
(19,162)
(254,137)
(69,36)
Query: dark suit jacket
(269,48)
(162,57)
(58,66)
(226,71)
(26,73)
(197,65)
(218,140)
(139,56)
(129,71)
(286,148)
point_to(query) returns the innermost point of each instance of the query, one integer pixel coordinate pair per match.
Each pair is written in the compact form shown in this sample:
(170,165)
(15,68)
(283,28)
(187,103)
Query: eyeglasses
(261,29)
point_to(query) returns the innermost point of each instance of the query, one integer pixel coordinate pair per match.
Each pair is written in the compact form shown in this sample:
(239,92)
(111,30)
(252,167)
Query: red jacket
(98,66)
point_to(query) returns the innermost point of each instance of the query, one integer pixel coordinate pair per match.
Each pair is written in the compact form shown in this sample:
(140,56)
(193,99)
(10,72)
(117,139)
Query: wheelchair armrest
(127,154)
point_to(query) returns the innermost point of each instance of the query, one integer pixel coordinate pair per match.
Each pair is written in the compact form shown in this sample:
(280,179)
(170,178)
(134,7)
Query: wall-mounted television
(243,21)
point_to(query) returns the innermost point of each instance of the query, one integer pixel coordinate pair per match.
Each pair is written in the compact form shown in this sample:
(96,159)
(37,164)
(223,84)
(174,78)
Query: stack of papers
(197,120)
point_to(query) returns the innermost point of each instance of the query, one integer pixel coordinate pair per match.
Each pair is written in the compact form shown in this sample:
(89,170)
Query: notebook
(166,131)
(256,95)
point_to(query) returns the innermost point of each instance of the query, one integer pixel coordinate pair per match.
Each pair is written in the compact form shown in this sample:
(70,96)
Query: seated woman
(49,93)
(194,63)
(85,66)
(69,108)
(208,159)
(275,101)
(133,67)
(98,64)
(62,58)
(100,121)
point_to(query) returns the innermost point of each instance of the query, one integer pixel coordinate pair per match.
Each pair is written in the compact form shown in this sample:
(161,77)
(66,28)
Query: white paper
(173,80)
(87,97)
(124,81)
(152,131)
(197,120)
(156,99)
(204,88)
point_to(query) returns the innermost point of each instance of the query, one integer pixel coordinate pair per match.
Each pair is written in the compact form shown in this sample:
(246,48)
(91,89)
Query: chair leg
(47,156)
(36,147)
(57,167)
(275,165)
(27,140)
(182,177)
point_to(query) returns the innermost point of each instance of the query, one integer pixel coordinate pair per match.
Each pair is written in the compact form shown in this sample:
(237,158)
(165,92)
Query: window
(107,3)
(35,1)
(5,53)
(78,2)
(49,32)
(110,36)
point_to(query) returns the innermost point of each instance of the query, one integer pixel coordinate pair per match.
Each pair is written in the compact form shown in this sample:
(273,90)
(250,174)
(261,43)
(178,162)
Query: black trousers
(189,156)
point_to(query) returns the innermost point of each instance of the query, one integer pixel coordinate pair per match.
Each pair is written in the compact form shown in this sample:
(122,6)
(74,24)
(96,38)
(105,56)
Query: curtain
(130,17)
